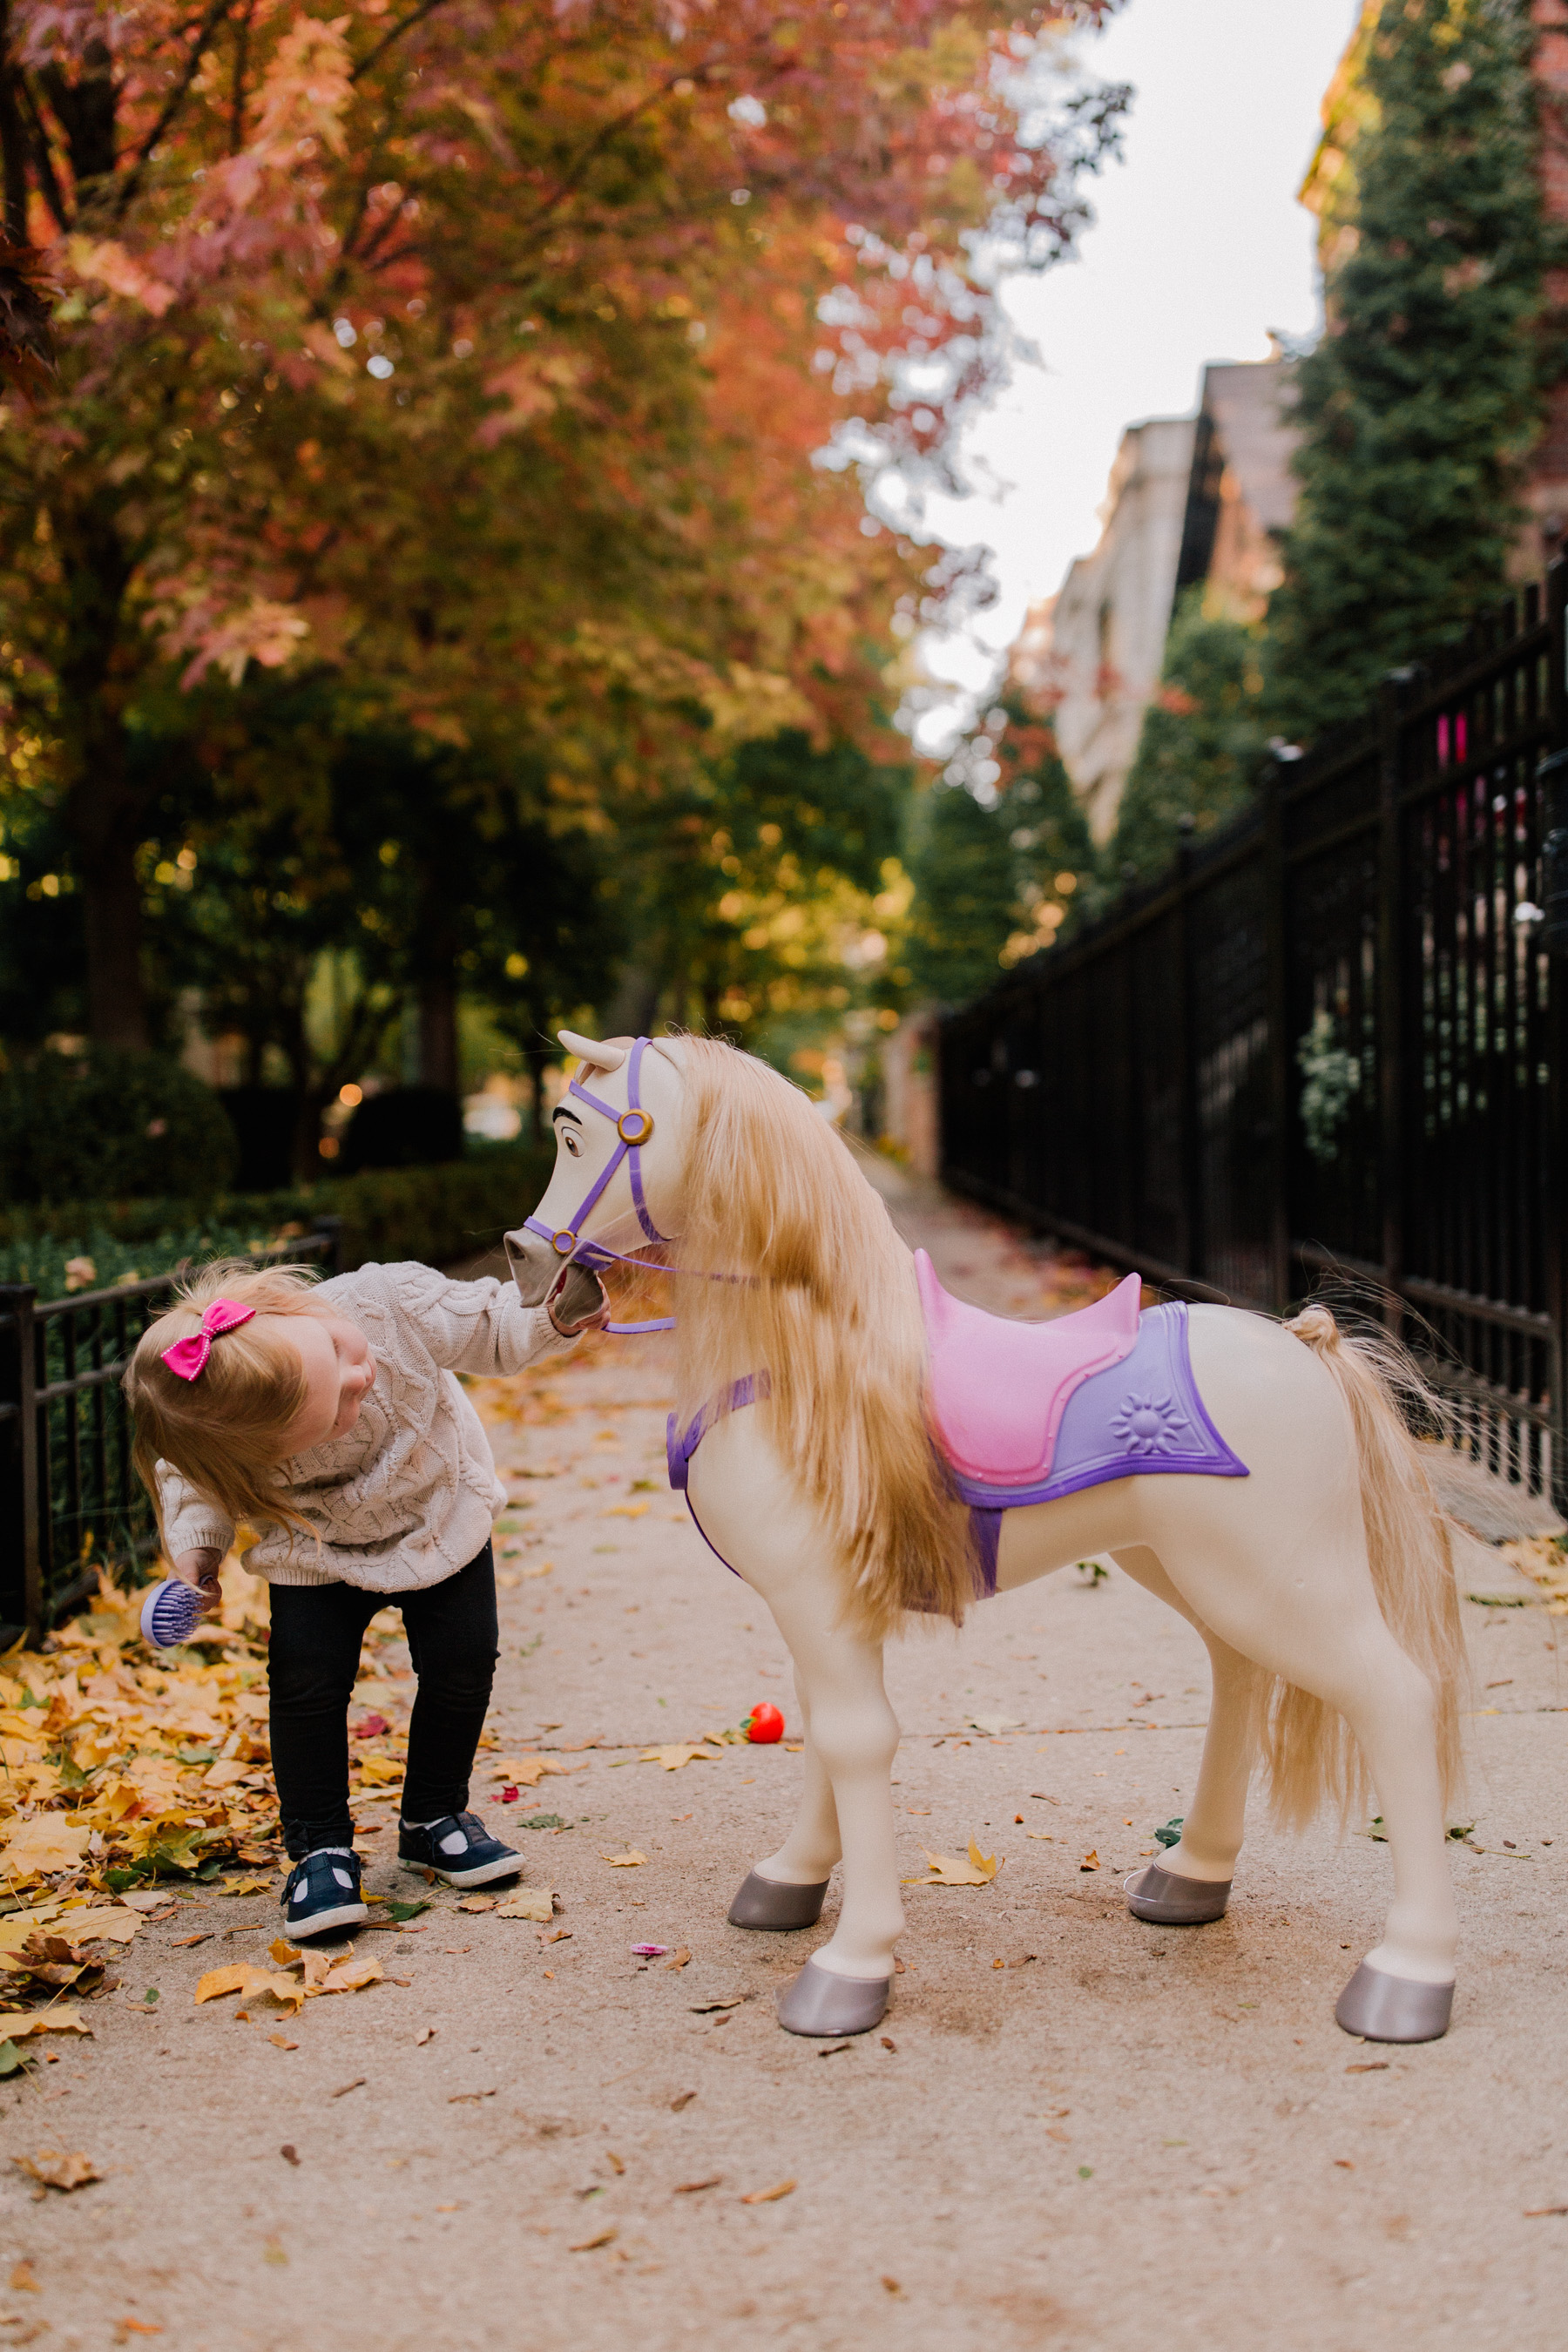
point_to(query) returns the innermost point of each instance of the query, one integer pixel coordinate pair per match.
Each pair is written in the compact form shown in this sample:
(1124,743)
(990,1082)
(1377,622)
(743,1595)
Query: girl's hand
(201,1569)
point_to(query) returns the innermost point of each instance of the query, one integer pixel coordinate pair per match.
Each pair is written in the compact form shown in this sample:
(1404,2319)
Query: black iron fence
(68,1496)
(1330,1044)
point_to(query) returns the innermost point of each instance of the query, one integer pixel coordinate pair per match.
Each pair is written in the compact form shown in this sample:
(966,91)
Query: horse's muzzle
(574,1292)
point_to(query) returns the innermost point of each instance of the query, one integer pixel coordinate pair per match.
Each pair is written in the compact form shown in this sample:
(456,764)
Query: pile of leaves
(120,1765)
(127,1771)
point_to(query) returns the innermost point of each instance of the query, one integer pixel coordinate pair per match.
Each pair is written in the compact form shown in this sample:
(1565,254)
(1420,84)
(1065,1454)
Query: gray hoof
(1171,1901)
(769,1903)
(1382,2007)
(822,2004)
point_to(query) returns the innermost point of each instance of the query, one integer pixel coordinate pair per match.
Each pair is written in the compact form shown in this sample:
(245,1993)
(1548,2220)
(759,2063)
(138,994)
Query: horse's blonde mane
(823,1299)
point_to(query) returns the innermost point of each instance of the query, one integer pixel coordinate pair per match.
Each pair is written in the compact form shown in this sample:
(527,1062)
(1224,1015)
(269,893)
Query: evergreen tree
(1202,740)
(1419,403)
(962,913)
(997,881)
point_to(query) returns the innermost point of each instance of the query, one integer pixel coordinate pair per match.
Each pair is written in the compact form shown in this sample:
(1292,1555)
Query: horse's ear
(598,1057)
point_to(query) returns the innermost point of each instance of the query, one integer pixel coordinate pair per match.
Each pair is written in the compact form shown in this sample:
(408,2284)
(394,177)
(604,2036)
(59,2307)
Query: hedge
(442,1215)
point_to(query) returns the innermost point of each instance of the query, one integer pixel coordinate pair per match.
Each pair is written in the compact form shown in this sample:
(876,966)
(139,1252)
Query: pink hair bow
(187,1357)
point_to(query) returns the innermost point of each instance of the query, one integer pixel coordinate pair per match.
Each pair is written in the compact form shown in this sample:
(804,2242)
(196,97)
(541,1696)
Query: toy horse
(858,1445)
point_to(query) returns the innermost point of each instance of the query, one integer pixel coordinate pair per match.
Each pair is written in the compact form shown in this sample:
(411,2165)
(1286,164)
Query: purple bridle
(633,1128)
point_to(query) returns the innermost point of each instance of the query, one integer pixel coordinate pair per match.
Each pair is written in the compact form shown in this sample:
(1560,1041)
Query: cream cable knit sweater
(410,1494)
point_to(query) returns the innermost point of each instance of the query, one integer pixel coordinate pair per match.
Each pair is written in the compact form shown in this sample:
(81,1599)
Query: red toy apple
(764,1723)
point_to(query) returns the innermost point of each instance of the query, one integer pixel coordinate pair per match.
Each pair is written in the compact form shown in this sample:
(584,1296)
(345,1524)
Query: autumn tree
(478,353)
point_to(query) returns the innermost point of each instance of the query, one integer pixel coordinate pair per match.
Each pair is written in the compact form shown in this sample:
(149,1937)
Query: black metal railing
(68,1496)
(1326,1052)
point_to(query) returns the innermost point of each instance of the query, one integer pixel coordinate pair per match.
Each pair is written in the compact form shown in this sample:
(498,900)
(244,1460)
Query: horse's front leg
(843,1988)
(756,1517)
(785,1890)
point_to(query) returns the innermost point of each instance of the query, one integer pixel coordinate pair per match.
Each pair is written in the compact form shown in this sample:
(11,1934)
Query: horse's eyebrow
(561,1111)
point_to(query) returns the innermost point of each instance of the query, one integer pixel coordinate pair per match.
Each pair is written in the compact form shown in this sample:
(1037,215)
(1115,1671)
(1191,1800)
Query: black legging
(317,1632)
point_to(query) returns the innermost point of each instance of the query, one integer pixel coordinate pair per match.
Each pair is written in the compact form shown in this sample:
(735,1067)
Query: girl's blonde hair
(224,1432)
(821,1295)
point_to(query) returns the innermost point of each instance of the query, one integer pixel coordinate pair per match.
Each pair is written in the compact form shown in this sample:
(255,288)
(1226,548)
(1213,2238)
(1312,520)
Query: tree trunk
(103,814)
(634,1007)
(12,145)
(435,970)
(304,1155)
(438,1029)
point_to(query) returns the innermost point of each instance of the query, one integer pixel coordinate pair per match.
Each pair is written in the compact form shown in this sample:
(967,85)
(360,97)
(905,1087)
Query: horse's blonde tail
(1308,1746)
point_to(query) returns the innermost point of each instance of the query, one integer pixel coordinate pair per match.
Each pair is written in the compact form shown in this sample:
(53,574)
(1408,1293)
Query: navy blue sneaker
(459,1849)
(323,1893)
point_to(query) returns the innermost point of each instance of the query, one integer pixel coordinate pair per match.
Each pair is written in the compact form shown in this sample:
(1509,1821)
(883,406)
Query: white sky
(1198,248)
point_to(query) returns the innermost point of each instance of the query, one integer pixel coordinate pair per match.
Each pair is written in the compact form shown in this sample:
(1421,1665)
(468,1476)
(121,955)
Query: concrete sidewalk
(1073,2130)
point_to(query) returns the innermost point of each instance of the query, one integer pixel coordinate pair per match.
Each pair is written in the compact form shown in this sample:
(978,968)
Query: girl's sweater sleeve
(482,1328)
(190,1522)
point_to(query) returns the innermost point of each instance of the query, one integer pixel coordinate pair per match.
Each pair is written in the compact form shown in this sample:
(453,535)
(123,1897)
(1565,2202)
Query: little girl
(328,1417)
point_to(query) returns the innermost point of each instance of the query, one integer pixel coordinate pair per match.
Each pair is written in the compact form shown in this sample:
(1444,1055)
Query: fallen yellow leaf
(48,1841)
(623,1861)
(770,2196)
(382,1769)
(250,1982)
(352,1976)
(16,1930)
(43,2020)
(56,2169)
(951,1870)
(224,1773)
(675,1754)
(626,1511)
(1090,1860)
(478,1903)
(527,1903)
(112,1921)
(527,1772)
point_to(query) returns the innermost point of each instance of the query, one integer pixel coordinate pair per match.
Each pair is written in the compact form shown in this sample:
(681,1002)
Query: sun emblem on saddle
(1148,1424)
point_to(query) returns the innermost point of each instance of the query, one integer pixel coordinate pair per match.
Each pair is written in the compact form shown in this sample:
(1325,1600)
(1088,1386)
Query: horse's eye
(570,1140)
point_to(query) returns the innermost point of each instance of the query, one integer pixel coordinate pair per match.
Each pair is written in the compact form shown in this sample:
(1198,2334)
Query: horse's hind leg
(1403,1990)
(1190,1885)
(1324,1634)
(786,1890)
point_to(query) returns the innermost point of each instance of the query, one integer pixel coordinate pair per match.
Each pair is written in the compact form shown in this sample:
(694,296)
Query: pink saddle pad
(998,1389)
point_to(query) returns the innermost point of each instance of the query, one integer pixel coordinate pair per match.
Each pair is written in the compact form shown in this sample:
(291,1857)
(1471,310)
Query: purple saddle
(1026,1413)
(1139,1416)
(999,1389)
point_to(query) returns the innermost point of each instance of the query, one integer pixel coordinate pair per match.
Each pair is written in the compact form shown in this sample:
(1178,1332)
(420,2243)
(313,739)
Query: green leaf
(399,1913)
(11,2059)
